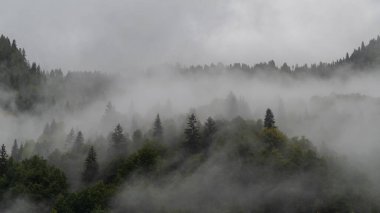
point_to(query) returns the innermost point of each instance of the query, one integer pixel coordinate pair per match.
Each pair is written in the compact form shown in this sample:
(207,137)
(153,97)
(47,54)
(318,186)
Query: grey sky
(122,35)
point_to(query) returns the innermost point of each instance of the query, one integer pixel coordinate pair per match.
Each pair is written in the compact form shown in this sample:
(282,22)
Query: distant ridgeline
(364,57)
(25,87)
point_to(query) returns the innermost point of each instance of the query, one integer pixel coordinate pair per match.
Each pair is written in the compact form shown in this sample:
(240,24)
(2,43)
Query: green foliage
(92,199)
(144,161)
(273,137)
(38,180)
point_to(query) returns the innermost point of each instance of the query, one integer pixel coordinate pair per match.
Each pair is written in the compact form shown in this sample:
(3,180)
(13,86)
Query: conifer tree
(118,136)
(192,142)
(210,127)
(269,121)
(3,160)
(70,137)
(137,136)
(90,166)
(79,142)
(157,128)
(15,151)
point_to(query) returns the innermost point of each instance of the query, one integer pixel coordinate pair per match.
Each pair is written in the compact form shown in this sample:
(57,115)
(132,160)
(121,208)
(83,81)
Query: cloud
(124,35)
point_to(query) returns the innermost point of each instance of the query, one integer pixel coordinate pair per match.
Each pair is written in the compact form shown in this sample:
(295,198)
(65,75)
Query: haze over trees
(174,162)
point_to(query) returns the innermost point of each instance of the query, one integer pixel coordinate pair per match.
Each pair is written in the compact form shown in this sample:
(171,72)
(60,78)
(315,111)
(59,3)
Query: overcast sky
(124,34)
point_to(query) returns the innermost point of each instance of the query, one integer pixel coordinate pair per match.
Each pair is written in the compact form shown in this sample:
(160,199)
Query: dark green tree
(39,180)
(269,121)
(192,136)
(3,160)
(90,166)
(157,128)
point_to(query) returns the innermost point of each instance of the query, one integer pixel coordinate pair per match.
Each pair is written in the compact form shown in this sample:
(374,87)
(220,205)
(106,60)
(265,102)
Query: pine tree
(3,160)
(118,136)
(70,137)
(15,151)
(157,128)
(79,142)
(137,136)
(90,166)
(208,132)
(210,127)
(192,135)
(269,121)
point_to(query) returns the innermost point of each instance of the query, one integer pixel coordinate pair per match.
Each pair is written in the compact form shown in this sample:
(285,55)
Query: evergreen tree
(79,142)
(15,151)
(3,160)
(118,136)
(192,142)
(269,121)
(209,131)
(70,138)
(90,166)
(137,136)
(157,128)
(210,127)
(119,141)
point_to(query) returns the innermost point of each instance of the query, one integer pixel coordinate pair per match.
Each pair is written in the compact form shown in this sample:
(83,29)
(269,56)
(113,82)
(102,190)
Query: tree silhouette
(210,127)
(269,121)
(15,151)
(157,128)
(118,136)
(119,141)
(3,160)
(78,143)
(90,166)
(192,142)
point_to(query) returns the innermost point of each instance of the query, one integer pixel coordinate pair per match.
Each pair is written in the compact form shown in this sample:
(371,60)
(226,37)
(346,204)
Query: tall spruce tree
(3,160)
(119,141)
(91,166)
(210,127)
(15,151)
(157,128)
(208,132)
(118,136)
(269,121)
(79,142)
(70,138)
(192,136)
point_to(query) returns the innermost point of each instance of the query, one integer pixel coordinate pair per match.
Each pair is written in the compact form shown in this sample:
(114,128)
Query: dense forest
(229,161)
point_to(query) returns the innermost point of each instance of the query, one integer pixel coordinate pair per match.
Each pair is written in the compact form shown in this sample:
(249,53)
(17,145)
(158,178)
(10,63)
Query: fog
(142,50)
(339,115)
(126,35)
